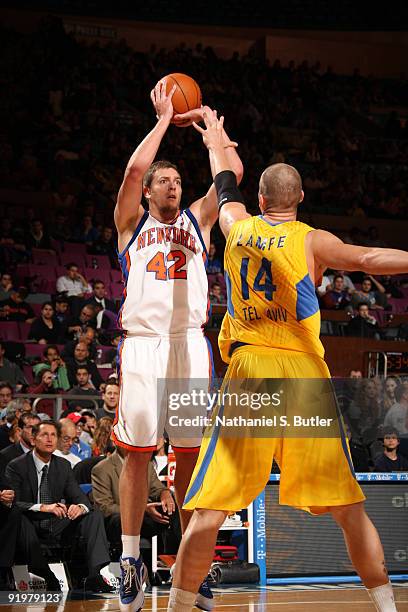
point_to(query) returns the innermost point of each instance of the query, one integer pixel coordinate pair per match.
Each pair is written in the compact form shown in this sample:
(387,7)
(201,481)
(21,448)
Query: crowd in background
(72,115)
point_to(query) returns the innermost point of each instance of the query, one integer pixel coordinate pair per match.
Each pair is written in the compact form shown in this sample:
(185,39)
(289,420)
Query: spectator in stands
(110,400)
(44,386)
(10,526)
(10,371)
(86,318)
(337,298)
(79,447)
(15,308)
(37,238)
(366,413)
(61,229)
(106,246)
(64,519)
(396,416)
(81,357)
(102,436)
(86,232)
(325,285)
(83,387)
(356,374)
(363,325)
(89,426)
(113,338)
(6,394)
(160,458)
(99,298)
(13,413)
(62,310)
(66,437)
(366,295)
(73,284)
(391,287)
(391,460)
(89,337)
(348,283)
(391,383)
(26,422)
(52,360)
(46,329)
(6,286)
(373,239)
(214,265)
(105,489)
(216,296)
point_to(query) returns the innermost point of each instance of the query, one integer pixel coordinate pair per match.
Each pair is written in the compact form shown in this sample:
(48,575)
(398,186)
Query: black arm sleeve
(227,188)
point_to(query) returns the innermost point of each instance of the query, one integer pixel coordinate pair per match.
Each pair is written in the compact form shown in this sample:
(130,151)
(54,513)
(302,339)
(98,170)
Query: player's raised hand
(162,102)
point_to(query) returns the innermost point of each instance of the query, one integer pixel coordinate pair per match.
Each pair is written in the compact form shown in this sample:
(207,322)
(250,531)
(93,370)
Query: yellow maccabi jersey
(271,297)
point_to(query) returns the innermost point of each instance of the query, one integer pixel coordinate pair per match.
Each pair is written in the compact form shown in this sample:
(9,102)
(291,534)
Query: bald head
(280,188)
(66,435)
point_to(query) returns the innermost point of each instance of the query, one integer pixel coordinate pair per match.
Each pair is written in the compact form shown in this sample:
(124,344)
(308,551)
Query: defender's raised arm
(229,198)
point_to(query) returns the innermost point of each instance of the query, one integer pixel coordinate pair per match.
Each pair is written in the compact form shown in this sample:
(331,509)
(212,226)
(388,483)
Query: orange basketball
(187,95)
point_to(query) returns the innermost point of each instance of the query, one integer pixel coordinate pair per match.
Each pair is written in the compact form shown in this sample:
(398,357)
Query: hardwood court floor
(331,598)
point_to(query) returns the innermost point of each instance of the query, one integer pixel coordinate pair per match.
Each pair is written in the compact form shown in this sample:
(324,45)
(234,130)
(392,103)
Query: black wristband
(227,189)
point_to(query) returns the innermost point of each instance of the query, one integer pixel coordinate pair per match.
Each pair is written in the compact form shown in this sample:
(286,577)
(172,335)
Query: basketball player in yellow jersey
(271,330)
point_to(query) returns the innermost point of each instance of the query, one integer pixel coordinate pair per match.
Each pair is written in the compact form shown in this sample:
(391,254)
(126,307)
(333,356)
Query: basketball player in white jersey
(162,253)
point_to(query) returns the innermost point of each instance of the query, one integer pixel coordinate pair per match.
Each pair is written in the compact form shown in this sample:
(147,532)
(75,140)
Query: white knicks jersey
(164,272)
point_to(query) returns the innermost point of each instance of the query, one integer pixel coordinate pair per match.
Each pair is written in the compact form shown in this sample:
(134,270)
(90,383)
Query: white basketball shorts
(154,374)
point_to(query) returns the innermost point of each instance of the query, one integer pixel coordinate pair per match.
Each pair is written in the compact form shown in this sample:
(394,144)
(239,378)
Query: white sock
(383,598)
(131,546)
(181,601)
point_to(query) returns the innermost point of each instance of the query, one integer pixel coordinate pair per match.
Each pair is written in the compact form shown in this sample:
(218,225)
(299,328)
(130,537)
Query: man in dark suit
(99,299)
(26,444)
(10,521)
(54,508)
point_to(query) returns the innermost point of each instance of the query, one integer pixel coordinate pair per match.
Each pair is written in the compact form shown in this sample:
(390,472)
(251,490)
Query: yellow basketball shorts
(316,473)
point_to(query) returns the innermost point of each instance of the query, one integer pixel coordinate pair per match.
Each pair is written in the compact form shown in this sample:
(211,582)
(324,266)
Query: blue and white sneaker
(205,598)
(133,575)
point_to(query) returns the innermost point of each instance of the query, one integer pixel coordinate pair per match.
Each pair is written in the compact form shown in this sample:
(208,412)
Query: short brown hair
(281,186)
(158,165)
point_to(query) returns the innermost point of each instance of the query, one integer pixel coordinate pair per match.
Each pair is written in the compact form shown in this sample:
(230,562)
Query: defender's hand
(213,135)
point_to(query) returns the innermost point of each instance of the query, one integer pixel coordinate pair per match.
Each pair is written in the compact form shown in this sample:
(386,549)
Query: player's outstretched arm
(129,209)
(228,197)
(330,252)
(206,208)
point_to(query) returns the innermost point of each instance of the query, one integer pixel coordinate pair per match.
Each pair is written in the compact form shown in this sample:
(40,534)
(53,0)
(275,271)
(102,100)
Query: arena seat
(67,258)
(42,271)
(9,330)
(37,308)
(116,291)
(28,373)
(92,274)
(105,372)
(116,276)
(399,305)
(102,261)
(24,330)
(75,248)
(42,256)
(34,349)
